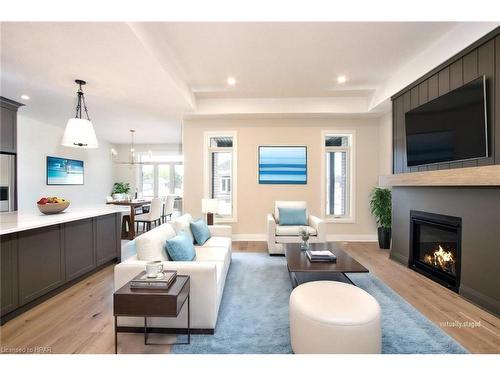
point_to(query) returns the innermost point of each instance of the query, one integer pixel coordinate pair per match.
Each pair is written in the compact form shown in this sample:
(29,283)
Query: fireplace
(435,242)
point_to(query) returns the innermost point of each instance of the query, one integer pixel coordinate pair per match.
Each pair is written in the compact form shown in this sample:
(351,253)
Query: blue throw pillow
(200,231)
(292,216)
(180,248)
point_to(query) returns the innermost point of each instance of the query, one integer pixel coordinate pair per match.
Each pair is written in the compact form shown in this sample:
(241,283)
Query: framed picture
(283,165)
(62,171)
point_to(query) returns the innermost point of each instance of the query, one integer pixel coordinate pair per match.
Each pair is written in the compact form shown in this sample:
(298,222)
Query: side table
(152,303)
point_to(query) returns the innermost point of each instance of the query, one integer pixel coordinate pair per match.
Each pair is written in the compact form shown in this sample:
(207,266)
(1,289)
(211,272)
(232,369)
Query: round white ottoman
(334,317)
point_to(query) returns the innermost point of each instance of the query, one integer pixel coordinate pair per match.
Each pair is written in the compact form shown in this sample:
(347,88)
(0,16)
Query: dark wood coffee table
(301,270)
(152,303)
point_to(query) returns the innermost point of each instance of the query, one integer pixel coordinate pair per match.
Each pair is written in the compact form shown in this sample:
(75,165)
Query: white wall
(385,144)
(37,140)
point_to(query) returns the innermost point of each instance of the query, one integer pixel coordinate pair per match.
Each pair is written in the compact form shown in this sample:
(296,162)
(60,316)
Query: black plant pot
(384,238)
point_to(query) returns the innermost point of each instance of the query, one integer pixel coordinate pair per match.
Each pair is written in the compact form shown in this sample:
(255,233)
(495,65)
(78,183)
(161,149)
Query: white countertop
(12,222)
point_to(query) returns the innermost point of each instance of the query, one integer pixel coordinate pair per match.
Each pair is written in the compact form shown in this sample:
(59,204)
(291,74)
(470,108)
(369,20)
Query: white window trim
(234,172)
(351,219)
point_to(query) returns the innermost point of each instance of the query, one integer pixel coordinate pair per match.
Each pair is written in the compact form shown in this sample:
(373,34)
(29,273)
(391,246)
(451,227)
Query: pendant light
(79,131)
(132,147)
(131,156)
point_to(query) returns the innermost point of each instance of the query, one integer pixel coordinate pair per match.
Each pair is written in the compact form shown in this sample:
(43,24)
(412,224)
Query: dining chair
(168,207)
(153,216)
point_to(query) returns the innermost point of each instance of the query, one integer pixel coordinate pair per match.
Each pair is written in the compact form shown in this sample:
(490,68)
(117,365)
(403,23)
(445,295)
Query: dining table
(128,227)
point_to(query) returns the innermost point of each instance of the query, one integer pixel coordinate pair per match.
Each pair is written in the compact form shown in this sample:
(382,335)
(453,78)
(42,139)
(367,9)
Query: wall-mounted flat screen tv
(282,165)
(452,127)
(62,171)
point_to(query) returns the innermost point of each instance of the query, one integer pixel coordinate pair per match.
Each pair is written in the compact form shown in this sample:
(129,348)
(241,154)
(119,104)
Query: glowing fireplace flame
(442,259)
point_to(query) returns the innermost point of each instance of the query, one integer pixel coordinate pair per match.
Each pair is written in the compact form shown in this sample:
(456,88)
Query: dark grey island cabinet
(106,238)
(39,263)
(8,274)
(79,248)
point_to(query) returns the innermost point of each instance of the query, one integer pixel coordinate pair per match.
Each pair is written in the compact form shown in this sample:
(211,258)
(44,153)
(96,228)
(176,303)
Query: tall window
(338,175)
(148,180)
(164,185)
(225,184)
(178,179)
(161,175)
(221,172)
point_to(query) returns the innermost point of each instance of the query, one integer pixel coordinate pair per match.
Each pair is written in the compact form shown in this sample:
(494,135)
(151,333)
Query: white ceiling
(148,76)
(292,59)
(126,87)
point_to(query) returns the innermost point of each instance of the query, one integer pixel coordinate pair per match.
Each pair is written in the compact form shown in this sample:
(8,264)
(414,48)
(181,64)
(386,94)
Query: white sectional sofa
(207,273)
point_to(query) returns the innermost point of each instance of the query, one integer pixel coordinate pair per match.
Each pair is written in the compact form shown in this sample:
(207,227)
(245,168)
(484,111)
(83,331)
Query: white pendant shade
(79,133)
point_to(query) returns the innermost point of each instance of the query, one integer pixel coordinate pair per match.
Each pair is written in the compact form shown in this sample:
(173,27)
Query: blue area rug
(253,316)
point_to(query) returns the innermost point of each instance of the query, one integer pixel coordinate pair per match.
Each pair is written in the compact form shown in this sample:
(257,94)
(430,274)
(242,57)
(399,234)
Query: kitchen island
(41,255)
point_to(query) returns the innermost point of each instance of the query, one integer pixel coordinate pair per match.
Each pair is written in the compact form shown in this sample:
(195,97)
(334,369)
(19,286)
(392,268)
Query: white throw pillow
(182,224)
(151,245)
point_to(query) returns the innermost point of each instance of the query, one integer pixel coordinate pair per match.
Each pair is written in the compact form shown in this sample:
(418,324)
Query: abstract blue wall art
(64,171)
(282,165)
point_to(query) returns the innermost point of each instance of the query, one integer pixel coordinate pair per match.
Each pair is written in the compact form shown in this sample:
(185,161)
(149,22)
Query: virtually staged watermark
(460,324)
(25,350)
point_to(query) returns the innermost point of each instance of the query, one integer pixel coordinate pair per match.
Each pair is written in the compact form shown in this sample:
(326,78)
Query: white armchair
(278,234)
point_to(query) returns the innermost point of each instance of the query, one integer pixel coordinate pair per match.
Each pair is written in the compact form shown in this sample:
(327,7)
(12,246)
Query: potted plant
(381,208)
(121,190)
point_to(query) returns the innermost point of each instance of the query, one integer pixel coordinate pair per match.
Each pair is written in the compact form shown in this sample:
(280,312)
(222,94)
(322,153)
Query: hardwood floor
(250,246)
(79,320)
(442,306)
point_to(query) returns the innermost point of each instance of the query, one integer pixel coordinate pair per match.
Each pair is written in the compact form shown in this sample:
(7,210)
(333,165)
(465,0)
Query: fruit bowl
(52,208)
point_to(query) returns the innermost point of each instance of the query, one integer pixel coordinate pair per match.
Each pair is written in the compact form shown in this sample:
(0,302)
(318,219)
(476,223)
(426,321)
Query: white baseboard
(352,237)
(250,237)
(329,237)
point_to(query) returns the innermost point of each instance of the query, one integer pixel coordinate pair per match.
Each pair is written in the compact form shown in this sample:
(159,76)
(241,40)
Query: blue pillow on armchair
(180,248)
(292,216)
(200,231)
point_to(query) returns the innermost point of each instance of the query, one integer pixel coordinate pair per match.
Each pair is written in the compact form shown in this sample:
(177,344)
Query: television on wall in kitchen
(61,171)
(452,127)
(282,165)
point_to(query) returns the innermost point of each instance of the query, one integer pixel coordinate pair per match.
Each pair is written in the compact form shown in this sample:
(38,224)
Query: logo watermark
(25,350)
(460,324)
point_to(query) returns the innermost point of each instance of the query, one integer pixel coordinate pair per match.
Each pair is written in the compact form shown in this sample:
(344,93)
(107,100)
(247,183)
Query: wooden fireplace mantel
(474,176)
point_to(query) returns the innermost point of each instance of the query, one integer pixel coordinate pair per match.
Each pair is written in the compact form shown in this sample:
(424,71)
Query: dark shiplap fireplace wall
(481,58)
(478,207)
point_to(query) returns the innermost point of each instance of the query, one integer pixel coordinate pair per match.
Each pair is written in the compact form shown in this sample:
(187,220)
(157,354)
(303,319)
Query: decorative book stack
(162,281)
(321,256)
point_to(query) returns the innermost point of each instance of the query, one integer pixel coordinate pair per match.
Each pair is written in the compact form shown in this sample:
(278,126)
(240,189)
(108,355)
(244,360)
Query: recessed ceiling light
(231,81)
(341,79)
(25,97)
